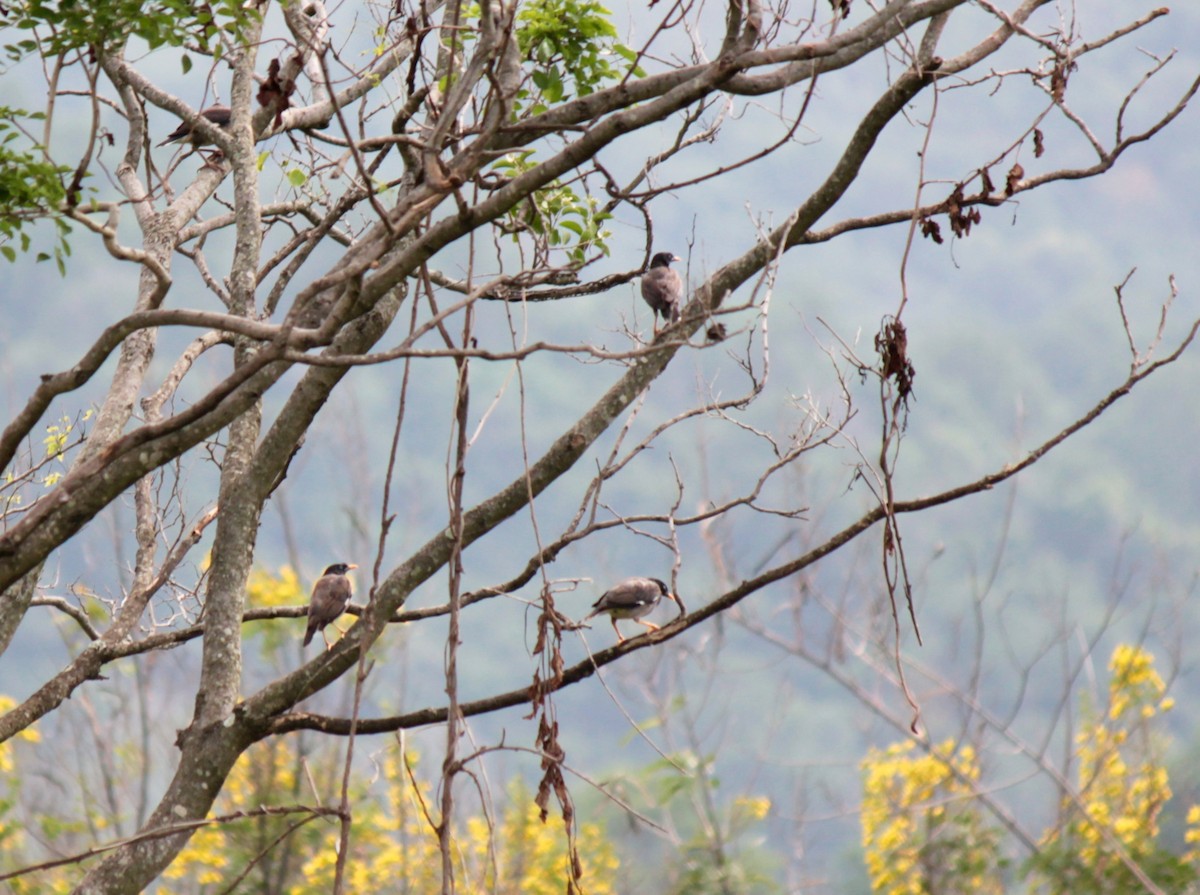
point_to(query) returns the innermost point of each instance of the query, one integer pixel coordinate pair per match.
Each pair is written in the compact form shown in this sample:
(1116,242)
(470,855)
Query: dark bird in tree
(330,595)
(218,115)
(662,288)
(631,599)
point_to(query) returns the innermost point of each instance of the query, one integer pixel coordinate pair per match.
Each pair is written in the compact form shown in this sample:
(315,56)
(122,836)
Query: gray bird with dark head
(662,288)
(330,595)
(631,599)
(185,133)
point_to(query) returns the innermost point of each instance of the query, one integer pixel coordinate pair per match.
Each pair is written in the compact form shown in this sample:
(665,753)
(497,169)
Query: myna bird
(631,599)
(330,595)
(185,133)
(662,288)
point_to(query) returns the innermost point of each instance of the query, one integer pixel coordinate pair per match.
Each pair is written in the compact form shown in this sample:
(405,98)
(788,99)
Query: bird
(631,599)
(185,133)
(330,595)
(662,288)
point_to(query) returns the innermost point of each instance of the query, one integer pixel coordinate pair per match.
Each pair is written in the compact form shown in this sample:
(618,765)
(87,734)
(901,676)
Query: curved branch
(581,670)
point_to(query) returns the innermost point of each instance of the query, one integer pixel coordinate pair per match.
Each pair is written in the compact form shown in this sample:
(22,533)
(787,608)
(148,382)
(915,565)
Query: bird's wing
(675,289)
(655,285)
(674,284)
(178,134)
(630,594)
(662,288)
(329,598)
(651,290)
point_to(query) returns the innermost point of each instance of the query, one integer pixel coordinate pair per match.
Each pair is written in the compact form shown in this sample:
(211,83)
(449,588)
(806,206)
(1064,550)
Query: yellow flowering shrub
(14,840)
(922,830)
(532,856)
(264,589)
(1192,836)
(923,833)
(1122,789)
(29,734)
(516,855)
(391,840)
(265,775)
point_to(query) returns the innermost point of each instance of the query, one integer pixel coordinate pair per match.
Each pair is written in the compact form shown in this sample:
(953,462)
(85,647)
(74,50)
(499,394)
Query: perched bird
(330,595)
(631,599)
(218,115)
(662,288)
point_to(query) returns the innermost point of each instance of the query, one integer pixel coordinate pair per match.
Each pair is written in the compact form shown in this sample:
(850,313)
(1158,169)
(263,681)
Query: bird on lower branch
(330,595)
(631,599)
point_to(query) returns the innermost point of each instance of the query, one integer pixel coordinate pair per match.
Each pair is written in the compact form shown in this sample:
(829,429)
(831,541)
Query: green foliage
(65,25)
(721,852)
(556,216)
(572,45)
(46,470)
(30,187)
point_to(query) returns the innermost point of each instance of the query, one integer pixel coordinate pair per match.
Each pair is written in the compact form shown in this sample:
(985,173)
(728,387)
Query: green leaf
(554,89)
(73,25)
(568,42)
(296,177)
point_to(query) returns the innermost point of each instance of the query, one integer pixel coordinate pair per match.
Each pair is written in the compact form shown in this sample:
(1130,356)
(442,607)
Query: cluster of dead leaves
(549,641)
(891,344)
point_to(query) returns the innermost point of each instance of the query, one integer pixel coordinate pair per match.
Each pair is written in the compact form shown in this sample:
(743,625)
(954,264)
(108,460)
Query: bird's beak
(675,258)
(671,596)
(351,565)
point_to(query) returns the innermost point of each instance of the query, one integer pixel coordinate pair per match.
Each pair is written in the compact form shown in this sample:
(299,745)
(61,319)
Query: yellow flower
(749,809)
(914,803)
(265,589)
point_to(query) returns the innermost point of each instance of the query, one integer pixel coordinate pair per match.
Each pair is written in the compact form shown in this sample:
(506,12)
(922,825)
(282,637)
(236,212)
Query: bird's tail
(308,635)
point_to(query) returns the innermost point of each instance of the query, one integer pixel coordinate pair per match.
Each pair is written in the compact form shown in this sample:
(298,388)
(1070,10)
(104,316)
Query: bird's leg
(650,625)
(335,627)
(620,639)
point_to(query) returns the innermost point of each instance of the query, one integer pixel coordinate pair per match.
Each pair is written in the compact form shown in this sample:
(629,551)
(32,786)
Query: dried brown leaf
(891,343)
(1015,173)
(1058,82)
